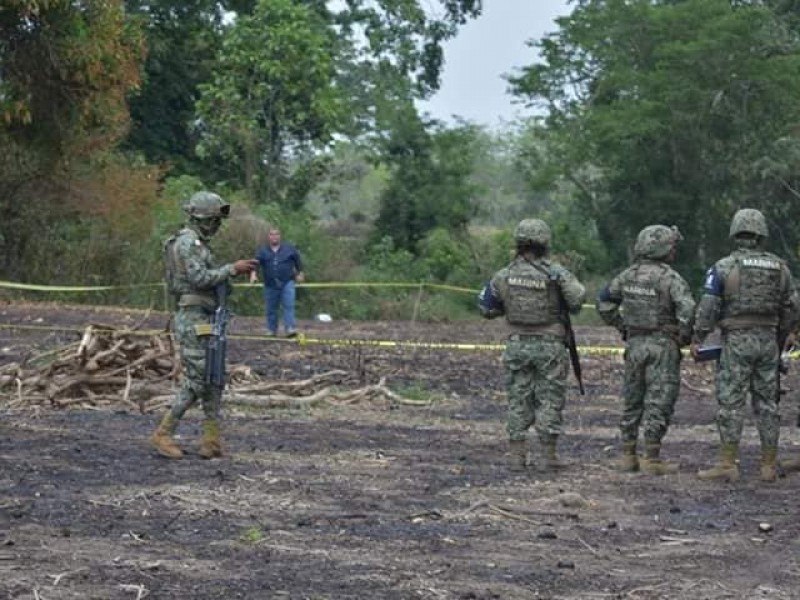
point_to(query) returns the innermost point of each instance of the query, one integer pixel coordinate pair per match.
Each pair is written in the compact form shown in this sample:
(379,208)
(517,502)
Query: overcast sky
(485,49)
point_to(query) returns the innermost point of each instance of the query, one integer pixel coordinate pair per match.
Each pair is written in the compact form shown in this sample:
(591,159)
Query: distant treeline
(302,114)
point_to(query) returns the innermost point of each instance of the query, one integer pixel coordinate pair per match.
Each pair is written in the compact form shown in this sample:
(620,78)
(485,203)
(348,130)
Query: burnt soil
(372,501)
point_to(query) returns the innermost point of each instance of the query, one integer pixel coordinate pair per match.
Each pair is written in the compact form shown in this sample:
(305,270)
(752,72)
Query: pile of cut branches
(135,370)
(107,366)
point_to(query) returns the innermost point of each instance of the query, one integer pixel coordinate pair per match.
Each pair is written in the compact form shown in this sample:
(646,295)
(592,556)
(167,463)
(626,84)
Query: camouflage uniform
(750,296)
(191,278)
(530,292)
(657,311)
(196,278)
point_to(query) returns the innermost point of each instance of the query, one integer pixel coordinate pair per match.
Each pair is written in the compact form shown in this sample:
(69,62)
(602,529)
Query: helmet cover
(656,241)
(534,231)
(749,220)
(206,205)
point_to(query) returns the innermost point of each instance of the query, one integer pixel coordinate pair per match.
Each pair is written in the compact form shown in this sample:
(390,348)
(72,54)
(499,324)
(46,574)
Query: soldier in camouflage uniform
(750,295)
(191,278)
(531,292)
(655,320)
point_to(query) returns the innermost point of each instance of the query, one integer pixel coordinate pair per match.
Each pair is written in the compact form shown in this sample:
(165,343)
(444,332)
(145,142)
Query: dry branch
(111,367)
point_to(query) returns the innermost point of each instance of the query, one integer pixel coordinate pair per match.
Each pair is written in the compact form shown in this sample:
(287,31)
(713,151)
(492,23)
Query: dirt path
(378,502)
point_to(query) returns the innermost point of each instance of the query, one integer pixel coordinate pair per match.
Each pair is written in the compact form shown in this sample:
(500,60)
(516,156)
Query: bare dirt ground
(374,501)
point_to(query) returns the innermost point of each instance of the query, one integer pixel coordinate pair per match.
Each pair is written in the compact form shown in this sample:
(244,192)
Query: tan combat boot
(551,461)
(629,463)
(651,461)
(210,445)
(517,455)
(768,471)
(726,468)
(162,438)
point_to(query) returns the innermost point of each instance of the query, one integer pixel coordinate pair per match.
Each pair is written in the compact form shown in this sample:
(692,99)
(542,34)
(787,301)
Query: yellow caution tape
(72,288)
(303,340)
(32,287)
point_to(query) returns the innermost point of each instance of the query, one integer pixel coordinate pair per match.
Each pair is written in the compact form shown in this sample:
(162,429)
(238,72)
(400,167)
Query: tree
(292,74)
(405,36)
(67,68)
(663,111)
(183,37)
(272,96)
(430,184)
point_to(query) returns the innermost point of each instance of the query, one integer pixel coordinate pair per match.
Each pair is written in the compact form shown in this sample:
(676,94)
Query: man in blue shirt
(281,267)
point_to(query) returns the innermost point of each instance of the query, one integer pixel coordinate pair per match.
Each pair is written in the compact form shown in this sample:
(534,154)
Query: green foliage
(394,41)
(175,193)
(419,392)
(503,193)
(253,535)
(66,70)
(183,37)
(385,262)
(350,188)
(663,112)
(272,95)
(430,182)
(51,234)
(444,258)
(289,75)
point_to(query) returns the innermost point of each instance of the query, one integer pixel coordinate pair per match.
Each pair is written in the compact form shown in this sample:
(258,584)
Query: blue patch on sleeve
(488,301)
(713,285)
(605,296)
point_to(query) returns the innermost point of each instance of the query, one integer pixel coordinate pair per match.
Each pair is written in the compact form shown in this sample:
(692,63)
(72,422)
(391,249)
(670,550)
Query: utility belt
(537,331)
(748,322)
(671,332)
(206,301)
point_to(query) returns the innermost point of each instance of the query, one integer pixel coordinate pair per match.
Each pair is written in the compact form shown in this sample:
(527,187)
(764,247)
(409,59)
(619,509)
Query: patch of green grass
(418,392)
(253,535)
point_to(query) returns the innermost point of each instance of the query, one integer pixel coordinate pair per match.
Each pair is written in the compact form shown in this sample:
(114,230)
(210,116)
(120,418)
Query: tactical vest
(175,269)
(754,286)
(532,296)
(646,301)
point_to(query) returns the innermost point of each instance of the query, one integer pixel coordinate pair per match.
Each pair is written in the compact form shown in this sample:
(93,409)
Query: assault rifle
(218,342)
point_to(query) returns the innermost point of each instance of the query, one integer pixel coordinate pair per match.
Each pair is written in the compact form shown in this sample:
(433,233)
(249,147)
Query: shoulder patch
(605,296)
(713,284)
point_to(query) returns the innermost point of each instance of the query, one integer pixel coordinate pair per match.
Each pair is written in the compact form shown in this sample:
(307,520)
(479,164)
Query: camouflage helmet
(206,205)
(656,241)
(534,231)
(749,220)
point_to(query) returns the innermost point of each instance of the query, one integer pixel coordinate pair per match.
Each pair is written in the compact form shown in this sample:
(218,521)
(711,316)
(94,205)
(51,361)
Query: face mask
(208,227)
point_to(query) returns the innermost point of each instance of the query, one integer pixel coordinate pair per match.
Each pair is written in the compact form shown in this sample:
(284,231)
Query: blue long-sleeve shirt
(280,265)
